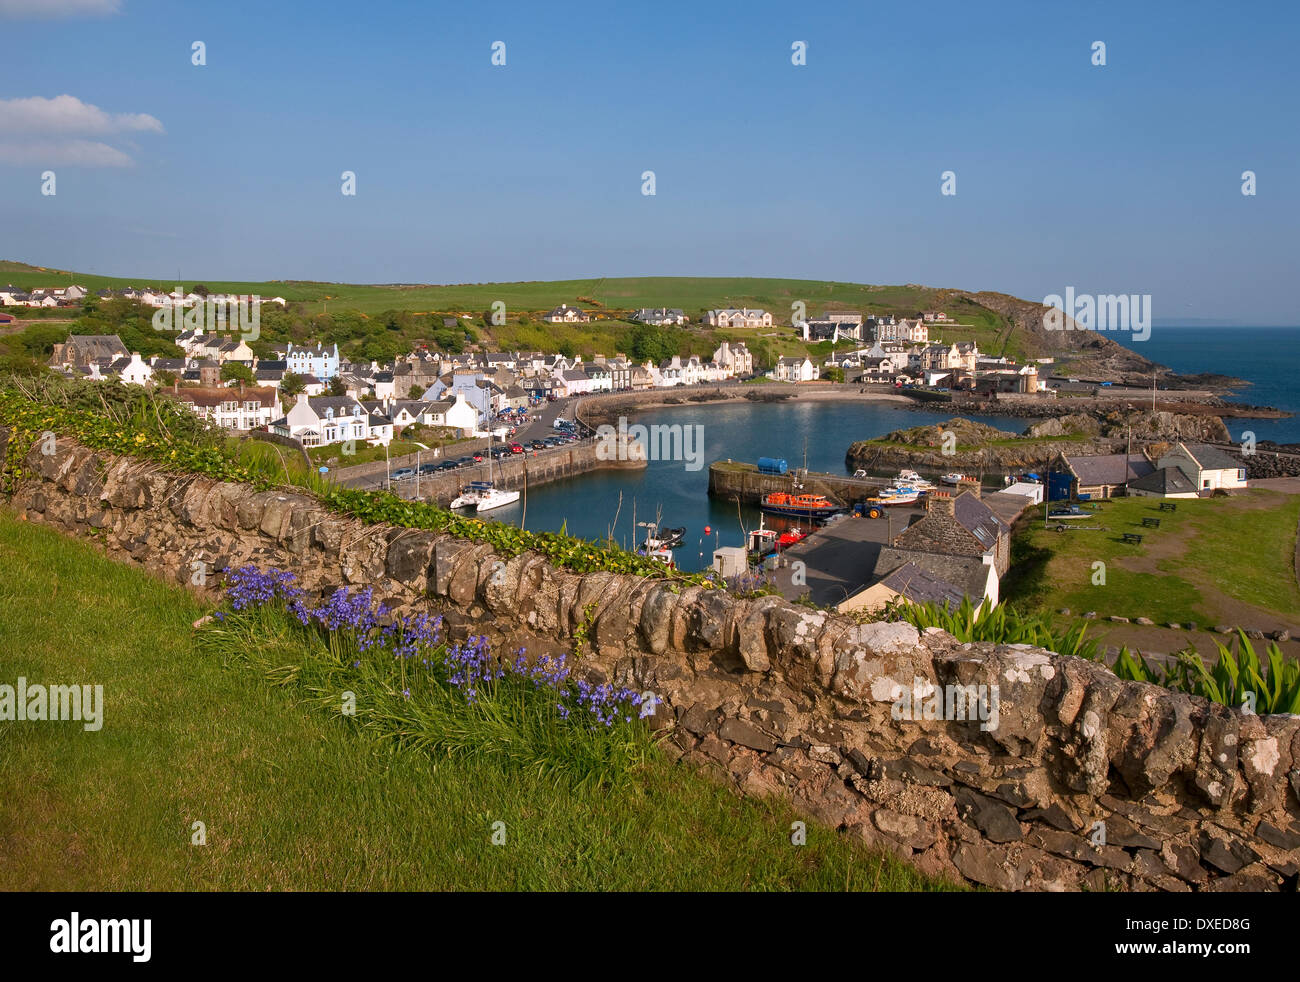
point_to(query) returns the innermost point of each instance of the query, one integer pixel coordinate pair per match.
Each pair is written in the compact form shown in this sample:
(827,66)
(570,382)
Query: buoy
(708,530)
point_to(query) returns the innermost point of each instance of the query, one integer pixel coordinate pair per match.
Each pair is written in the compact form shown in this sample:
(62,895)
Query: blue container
(771,465)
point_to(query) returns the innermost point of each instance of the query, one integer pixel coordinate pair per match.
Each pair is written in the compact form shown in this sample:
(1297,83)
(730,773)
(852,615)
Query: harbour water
(1264,356)
(606,503)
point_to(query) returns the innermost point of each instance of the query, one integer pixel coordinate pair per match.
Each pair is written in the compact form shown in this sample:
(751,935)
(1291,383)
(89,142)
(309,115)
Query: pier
(516,473)
(731,479)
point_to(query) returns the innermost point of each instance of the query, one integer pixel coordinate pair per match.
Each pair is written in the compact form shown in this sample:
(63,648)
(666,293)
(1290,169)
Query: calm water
(1265,356)
(588,504)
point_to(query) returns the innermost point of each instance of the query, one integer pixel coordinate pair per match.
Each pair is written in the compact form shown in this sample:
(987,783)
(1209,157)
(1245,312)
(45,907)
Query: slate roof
(1167,480)
(1111,468)
(1212,458)
(921,586)
(978,519)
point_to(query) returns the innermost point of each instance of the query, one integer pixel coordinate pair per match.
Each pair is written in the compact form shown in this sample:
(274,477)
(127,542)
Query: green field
(1213,560)
(692,294)
(293,798)
(613,298)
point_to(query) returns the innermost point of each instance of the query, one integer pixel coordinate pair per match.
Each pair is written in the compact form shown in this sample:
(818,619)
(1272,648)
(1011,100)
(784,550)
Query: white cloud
(58,8)
(51,153)
(68,114)
(48,132)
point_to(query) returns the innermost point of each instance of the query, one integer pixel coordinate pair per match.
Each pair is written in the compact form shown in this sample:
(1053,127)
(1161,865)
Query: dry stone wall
(1077,781)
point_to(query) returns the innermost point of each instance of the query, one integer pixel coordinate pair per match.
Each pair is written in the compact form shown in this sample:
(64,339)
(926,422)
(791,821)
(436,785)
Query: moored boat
(798,505)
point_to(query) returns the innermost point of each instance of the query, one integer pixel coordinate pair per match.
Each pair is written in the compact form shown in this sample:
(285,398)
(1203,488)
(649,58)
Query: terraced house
(234,408)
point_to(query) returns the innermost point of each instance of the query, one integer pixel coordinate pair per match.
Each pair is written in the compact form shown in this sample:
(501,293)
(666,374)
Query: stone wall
(785,700)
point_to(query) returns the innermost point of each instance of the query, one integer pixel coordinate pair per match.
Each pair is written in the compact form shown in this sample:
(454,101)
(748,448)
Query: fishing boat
(914,480)
(665,537)
(762,541)
(664,556)
(798,505)
(956,478)
(790,537)
(897,495)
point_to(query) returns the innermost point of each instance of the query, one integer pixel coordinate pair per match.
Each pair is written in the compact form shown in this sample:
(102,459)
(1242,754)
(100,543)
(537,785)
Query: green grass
(295,799)
(1241,547)
(692,294)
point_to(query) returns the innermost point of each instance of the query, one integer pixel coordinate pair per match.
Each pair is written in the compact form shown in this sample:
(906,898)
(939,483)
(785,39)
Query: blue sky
(1122,178)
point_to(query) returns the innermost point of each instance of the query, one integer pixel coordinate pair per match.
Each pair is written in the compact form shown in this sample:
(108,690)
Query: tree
(200,289)
(337,386)
(237,371)
(833,373)
(416,392)
(291,384)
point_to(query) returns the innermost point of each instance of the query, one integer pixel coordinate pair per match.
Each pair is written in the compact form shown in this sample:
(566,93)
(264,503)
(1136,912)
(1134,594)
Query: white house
(735,358)
(330,419)
(660,316)
(744,317)
(1206,467)
(796,369)
(136,371)
(573,382)
(564,314)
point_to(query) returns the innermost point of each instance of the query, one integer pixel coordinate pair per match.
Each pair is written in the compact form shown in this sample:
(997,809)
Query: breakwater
(733,480)
(517,473)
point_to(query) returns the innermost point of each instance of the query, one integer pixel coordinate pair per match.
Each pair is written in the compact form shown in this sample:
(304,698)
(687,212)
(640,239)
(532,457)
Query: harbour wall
(732,479)
(1075,780)
(516,473)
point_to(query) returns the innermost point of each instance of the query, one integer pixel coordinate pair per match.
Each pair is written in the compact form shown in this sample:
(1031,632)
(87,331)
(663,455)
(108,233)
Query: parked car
(429,468)
(403,473)
(464,461)
(516,448)
(538,445)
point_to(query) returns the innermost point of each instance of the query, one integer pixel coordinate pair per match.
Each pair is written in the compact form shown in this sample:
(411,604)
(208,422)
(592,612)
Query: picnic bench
(1133,537)
(1168,506)
(1151,523)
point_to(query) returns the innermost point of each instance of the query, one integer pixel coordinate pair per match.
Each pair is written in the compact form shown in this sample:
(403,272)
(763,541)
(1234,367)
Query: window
(251,406)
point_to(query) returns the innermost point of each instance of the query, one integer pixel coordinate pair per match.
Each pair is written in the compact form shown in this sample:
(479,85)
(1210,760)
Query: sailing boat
(484,495)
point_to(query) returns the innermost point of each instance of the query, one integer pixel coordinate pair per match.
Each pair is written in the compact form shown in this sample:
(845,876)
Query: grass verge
(292,798)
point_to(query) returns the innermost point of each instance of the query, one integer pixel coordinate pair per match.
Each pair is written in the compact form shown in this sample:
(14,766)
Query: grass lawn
(1207,558)
(295,799)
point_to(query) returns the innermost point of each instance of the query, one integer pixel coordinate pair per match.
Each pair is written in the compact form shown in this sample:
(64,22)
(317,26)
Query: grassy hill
(1001,324)
(295,799)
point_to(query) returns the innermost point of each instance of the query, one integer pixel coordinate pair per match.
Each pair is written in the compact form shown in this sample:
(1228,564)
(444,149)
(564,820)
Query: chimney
(941,503)
(969,484)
